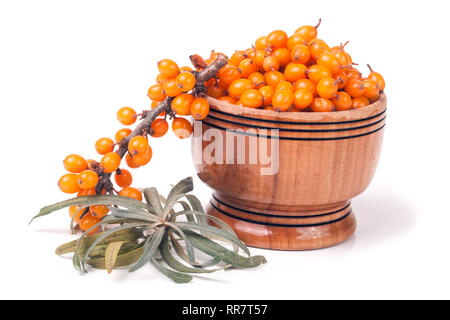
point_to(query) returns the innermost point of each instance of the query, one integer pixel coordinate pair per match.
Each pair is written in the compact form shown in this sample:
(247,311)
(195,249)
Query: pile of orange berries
(295,73)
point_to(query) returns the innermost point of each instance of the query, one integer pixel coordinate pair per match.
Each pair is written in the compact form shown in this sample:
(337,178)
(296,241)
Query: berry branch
(148,116)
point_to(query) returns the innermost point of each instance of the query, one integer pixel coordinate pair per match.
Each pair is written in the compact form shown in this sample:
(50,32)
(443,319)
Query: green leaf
(123,259)
(178,248)
(213,249)
(189,247)
(173,275)
(111,254)
(184,186)
(152,197)
(102,237)
(123,235)
(150,247)
(87,201)
(214,231)
(197,206)
(129,214)
(174,263)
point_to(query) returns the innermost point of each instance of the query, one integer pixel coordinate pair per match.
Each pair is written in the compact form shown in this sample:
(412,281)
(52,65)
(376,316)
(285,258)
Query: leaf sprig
(137,233)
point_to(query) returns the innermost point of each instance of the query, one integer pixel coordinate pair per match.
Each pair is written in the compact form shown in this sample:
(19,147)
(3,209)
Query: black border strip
(280,216)
(280,224)
(299,123)
(298,130)
(293,138)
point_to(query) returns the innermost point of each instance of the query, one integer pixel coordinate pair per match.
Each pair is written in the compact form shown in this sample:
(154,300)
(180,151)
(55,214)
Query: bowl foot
(281,230)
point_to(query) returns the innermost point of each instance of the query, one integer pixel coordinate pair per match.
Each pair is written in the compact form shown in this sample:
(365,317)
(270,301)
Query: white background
(67,66)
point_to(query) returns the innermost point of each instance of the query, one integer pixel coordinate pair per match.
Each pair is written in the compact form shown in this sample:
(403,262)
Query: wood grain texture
(325,160)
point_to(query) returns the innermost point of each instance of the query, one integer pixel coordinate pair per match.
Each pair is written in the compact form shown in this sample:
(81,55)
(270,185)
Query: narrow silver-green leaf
(150,247)
(176,277)
(184,186)
(152,196)
(215,231)
(129,214)
(197,206)
(86,201)
(189,248)
(174,263)
(213,249)
(111,255)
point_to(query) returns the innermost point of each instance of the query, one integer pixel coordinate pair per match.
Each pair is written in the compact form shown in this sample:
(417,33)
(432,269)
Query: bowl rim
(335,116)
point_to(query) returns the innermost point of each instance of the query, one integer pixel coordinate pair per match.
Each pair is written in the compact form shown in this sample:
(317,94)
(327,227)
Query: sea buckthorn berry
(130,162)
(126,116)
(181,127)
(308,32)
(321,105)
(238,87)
(276,39)
(159,127)
(269,108)
(122,133)
(342,101)
(68,183)
(283,56)
(317,73)
(252,98)
(354,73)
(260,55)
(76,211)
(228,99)
(371,89)
(295,71)
(271,63)
(317,47)
(330,61)
(154,105)
(302,98)
(250,53)
(327,88)
(87,192)
(355,88)
(138,145)
(306,84)
(282,100)
(267,93)
(284,85)
(360,102)
(98,211)
(168,69)
(216,92)
(236,58)
(344,58)
(260,43)
(211,82)
(342,79)
(186,68)
(257,80)
(273,78)
(199,108)
(110,162)
(155,92)
(142,159)
(88,221)
(87,179)
(247,67)
(300,54)
(294,40)
(227,75)
(378,78)
(75,163)
(185,81)
(131,192)
(104,145)
(171,88)
(123,178)
(181,105)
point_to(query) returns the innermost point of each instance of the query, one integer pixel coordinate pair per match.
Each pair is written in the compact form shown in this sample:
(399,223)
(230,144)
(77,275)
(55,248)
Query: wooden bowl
(325,160)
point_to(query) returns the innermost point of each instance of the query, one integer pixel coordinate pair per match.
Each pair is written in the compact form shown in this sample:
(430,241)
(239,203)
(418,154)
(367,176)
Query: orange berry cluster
(175,82)
(296,73)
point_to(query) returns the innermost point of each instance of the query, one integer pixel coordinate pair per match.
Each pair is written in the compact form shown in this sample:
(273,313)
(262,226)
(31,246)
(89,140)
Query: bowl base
(286,230)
